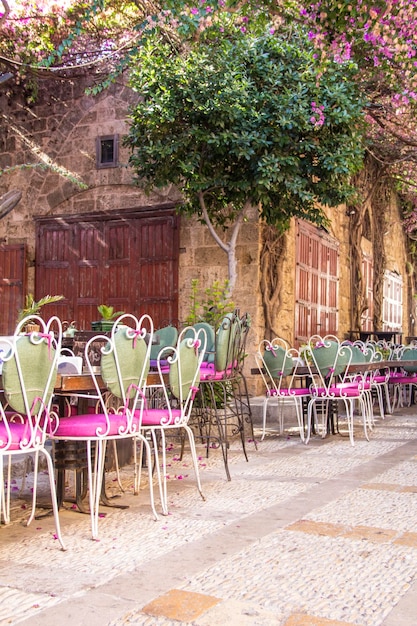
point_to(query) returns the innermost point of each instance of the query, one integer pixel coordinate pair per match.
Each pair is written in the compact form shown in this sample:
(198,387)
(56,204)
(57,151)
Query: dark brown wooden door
(316,288)
(129,262)
(12,285)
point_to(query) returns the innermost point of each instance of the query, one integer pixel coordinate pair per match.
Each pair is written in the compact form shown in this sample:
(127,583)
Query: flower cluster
(317,119)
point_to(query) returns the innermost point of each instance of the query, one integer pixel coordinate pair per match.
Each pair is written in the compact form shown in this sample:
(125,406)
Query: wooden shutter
(12,285)
(316,289)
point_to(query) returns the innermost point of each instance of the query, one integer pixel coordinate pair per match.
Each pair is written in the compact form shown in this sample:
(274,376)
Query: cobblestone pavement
(324,534)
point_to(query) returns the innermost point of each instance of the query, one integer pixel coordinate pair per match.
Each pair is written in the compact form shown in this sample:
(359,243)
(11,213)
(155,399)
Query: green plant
(34,307)
(210,306)
(108,313)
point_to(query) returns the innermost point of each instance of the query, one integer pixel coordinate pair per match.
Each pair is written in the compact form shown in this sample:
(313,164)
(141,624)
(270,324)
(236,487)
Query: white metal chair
(177,388)
(29,374)
(328,362)
(124,366)
(278,364)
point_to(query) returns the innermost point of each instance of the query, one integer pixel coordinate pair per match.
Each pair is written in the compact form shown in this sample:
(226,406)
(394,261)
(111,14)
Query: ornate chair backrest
(328,360)
(409,354)
(210,335)
(275,361)
(167,336)
(184,371)
(29,375)
(228,345)
(125,363)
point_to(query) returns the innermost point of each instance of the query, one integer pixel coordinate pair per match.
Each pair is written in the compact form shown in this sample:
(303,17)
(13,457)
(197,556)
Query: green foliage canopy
(245,119)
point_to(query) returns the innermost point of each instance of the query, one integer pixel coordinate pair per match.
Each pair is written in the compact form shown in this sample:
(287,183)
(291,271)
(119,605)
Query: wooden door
(316,288)
(128,261)
(12,285)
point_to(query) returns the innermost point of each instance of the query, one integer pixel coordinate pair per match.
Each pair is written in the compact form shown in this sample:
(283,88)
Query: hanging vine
(273,250)
(374,189)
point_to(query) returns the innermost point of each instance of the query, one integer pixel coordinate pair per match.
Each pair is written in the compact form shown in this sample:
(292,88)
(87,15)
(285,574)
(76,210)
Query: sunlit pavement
(324,534)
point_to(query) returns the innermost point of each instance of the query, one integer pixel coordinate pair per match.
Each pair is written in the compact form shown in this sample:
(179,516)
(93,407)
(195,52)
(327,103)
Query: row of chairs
(221,408)
(28,422)
(194,360)
(316,378)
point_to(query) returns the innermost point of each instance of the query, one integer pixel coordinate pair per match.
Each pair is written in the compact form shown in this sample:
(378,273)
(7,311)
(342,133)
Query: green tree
(242,120)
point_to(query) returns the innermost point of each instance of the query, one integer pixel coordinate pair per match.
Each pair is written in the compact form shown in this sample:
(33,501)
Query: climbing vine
(273,250)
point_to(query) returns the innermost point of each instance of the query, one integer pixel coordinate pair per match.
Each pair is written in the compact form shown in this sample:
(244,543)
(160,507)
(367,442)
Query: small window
(107,151)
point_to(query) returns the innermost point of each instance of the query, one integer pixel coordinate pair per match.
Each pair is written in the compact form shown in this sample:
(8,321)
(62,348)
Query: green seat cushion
(328,358)
(35,363)
(132,360)
(278,362)
(409,354)
(183,370)
(167,336)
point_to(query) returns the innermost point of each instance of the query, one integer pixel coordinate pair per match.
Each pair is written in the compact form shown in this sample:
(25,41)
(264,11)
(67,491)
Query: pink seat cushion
(208,372)
(379,379)
(287,393)
(87,426)
(19,433)
(343,391)
(160,417)
(403,380)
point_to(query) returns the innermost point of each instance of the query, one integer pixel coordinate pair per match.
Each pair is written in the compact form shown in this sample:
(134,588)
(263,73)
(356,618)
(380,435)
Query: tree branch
(3,18)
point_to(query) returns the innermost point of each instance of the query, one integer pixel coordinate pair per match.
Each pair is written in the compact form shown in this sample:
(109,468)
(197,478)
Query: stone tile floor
(317,535)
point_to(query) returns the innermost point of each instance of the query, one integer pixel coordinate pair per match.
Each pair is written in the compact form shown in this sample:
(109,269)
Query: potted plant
(34,307)
(108,317)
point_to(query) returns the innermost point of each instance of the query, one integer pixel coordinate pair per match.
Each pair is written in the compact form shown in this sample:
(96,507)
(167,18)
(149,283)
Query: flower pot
(102,325)
(32,328)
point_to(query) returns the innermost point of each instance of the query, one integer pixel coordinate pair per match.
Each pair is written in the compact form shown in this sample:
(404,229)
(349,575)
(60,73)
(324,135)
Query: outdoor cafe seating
(124,367)
(130,401)
(28,377)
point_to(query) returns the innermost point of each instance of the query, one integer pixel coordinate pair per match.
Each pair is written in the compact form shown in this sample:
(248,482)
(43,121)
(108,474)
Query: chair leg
(299,412)
(35,487)
(161,477)
(349,407)
(54,497)
(264,412)
(195,460)
(3,493)
(95,466)
(137,465)
(116,461)
(145,442)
